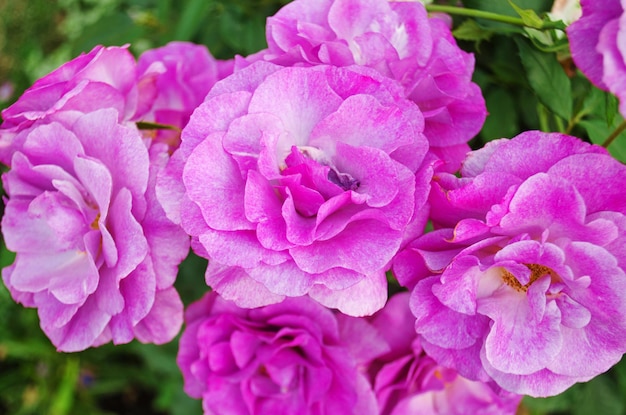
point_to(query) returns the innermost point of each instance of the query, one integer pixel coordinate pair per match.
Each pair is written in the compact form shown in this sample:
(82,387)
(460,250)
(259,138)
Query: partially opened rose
(95,253)
(102,78)
(299,181)
(524,283)
(596,42)
(284,358)
(175,78)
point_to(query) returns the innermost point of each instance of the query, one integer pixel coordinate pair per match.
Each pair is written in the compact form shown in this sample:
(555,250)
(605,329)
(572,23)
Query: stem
(461,11)
(609,140)
(542,114)
(559,123)
(574,121)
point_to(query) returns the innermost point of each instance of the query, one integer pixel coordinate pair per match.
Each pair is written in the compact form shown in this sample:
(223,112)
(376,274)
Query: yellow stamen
(536,271)
(94,224)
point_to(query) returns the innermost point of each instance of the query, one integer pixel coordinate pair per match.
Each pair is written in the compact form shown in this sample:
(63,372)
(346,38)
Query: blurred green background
(528,83)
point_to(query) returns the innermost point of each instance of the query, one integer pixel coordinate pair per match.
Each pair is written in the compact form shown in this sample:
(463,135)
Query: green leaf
(547,79)
(502,120)
(612,107)
(148,125)
(63,400)
(193,14)
(529,17)
(470,30)
(598,396)
(113,29)
(558,403)
(598,132)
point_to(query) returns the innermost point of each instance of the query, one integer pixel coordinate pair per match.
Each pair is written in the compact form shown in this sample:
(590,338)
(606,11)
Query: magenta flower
(173,81)
(596,46)
(94,252)
(530,289)
(301,181)
(164,87)
(284,358)
(399,40)
(406,380)
(102,78)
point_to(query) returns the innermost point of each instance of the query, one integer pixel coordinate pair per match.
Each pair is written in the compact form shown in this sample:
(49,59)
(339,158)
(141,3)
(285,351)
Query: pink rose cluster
(95,253)
(297,357)
(305,174)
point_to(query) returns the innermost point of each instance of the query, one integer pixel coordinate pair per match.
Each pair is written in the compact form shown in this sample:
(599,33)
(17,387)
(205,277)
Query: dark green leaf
(612,107)
(113,29)
(502,120)
(470,30)
(547,79)
(559,403)
(193,14)
(598,132)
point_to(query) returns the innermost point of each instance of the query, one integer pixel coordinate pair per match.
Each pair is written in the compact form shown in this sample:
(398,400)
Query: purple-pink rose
(400,41)
(406,380)
(175,79)
(598,49)
(95,253)
(284,358)
(524,282)
(102,78)
(163,87)
(300,181)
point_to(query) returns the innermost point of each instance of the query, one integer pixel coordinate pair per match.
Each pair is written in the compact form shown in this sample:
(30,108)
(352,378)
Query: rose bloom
(399,40)
(178,75)
(102,78)
(284,358)
(406,380)
(523,282)
(596,42)
(301,181)
(163,87)
(94,252)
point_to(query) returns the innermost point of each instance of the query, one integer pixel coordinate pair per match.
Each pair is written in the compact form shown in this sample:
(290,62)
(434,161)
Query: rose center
(536,271)
(343,180)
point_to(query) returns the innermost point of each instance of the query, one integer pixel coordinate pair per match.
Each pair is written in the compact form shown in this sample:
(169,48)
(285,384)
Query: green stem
(559,124)
(480,14)
(609,140)
(574,121)
(542,113)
